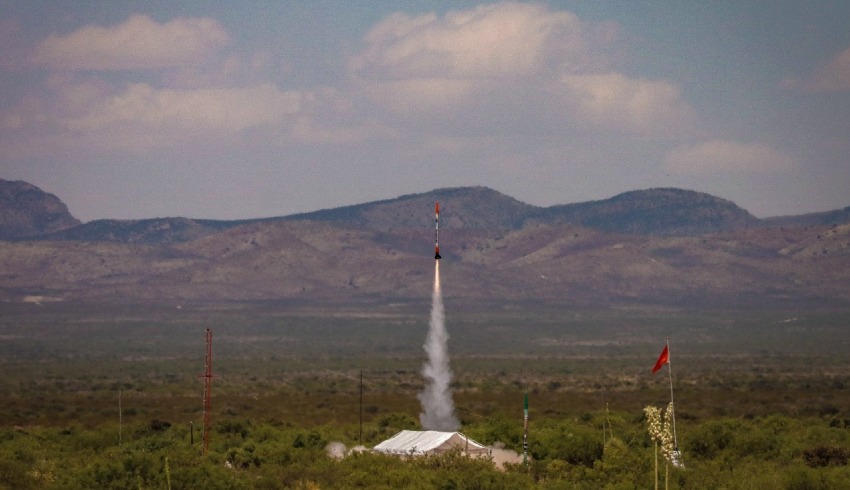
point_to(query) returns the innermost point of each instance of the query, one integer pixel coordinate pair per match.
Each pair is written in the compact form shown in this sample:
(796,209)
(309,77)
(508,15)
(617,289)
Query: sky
(249,109)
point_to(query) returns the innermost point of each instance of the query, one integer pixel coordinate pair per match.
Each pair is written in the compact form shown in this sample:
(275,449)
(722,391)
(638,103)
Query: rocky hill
(644,212)
(834,217)
(149,231)
(27,211)
(329,264)
(655,248)
(469,208)
(663,212)
(654,212)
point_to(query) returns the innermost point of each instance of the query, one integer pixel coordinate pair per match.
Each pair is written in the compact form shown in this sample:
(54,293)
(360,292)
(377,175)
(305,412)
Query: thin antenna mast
(208,375)
(360,438)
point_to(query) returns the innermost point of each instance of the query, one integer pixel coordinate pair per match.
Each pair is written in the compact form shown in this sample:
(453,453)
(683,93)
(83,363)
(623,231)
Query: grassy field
(284,367)
(723,362)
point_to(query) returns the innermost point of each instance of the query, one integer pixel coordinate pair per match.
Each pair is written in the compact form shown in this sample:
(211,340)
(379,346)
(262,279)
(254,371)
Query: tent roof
(417,442)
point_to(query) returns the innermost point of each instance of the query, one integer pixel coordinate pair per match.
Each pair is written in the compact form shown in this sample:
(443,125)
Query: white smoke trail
(437,405)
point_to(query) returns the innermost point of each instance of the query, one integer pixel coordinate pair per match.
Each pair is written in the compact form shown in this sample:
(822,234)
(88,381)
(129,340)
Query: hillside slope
(26,211)
(664,212)
(474,208)
(323,263)
(659,247)
(654,212)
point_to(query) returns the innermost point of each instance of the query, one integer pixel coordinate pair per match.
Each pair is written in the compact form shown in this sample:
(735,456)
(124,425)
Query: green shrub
(826,456)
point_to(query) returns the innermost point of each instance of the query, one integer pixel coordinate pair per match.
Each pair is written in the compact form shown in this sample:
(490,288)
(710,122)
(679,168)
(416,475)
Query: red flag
(662,360)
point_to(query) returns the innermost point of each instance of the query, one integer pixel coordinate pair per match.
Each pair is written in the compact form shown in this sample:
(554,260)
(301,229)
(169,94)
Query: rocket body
(437,231)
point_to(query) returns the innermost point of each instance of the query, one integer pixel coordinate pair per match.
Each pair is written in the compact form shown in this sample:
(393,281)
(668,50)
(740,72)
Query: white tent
(418,443)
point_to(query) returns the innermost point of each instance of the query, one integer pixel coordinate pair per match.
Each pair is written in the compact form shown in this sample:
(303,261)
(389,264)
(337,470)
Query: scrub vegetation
(110,396)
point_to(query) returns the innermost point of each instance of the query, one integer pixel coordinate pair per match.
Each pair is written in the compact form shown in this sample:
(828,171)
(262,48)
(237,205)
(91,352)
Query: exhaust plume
(437,405)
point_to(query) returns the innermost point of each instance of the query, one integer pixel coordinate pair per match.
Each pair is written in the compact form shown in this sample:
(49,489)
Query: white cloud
(834,76)
(328,117)
(422,97)
(615,101)
(440,66)
(505,40)
(727,156)
(232,109)
(507,65)
(93,117)
(136,44)
(202,97)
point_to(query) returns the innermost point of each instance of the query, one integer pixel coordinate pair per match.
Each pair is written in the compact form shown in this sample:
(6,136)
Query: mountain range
(656,247)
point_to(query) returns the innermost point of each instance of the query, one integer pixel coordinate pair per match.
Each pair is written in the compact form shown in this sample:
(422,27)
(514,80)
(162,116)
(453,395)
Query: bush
(805,479)
(157,425)
(310,440)
(826,456)
(712,437)
(577,445)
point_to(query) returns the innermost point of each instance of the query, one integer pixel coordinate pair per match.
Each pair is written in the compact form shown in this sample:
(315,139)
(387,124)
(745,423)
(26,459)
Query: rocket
(437,231)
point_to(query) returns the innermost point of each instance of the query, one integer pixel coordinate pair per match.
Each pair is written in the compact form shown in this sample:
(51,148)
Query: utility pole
(208,375)
(361,408)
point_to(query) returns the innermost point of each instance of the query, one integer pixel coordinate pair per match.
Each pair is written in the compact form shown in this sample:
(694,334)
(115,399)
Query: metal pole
(361,408)
(207,392)
(673,405)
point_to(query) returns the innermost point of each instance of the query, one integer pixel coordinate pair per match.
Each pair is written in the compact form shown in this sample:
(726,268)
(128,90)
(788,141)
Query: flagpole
(673,405)
(360,436)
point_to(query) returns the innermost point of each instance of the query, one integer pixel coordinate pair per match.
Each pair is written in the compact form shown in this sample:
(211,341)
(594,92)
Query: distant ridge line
(655,211)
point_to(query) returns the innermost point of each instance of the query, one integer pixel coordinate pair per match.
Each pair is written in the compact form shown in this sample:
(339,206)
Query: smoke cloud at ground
(437,405)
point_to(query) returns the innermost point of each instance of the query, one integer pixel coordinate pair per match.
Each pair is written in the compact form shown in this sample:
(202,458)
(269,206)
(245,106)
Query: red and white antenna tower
(208,375)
